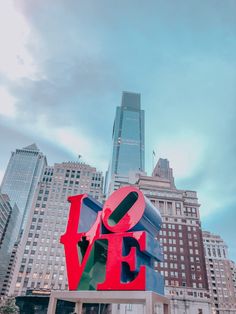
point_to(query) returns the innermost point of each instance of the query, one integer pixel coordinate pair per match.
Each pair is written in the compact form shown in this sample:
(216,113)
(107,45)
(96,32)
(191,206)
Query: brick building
(184,266)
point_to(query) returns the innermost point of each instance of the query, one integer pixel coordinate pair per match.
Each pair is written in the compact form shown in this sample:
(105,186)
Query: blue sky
(64,65)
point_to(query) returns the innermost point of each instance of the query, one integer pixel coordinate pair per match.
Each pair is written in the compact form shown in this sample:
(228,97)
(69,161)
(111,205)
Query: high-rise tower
(20,181)
(128,138)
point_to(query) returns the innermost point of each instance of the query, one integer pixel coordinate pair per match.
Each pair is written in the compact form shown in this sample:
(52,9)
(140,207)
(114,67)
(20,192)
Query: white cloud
(15,60)
(184,151)
(7,103)
(71,139)
(74,141)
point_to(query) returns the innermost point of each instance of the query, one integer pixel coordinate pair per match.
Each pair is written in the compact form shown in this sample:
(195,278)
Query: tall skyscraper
(220,274)
(128,139)
(41,263)
(22,175)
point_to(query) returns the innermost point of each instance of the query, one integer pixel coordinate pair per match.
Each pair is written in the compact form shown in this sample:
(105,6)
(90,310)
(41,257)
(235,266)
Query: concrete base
(148,298)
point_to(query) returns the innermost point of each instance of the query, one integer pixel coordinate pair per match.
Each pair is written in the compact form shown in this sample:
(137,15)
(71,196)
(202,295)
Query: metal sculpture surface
(113,247)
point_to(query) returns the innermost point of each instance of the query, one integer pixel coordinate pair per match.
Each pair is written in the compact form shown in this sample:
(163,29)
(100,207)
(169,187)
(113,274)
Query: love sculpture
(113,247)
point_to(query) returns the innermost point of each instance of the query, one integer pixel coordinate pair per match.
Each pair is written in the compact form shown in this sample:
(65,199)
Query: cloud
(15,60)
(184,151)
(195,96)
(76,143)
(7,103)
(66,65)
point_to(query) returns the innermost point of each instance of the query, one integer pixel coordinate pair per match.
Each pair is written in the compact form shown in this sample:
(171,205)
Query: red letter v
(70,239)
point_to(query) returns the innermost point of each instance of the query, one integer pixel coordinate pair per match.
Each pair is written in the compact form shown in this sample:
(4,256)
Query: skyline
(62,79)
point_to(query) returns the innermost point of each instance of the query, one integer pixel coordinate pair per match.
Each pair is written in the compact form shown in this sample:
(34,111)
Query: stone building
(220,274)
(184,266)
(41,262)
(9,232)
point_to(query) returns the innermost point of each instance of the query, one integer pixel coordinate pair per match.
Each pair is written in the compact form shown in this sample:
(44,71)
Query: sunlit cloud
(78,143)
(70,139)
(15,60)
(184,151)
(73,141)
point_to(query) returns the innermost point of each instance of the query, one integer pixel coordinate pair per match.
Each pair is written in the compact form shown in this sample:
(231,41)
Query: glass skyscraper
(20,181)
(128,136)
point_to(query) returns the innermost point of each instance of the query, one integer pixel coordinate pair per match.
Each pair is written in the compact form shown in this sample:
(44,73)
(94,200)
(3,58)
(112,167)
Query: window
(169,208)
(129,307)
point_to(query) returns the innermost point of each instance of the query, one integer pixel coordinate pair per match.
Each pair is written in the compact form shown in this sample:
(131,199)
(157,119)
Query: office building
(22,175)
(9,270)
(5,212)
(9,231)
(41,261)
(128,140)
(219,274)
(233,271)
(184,266)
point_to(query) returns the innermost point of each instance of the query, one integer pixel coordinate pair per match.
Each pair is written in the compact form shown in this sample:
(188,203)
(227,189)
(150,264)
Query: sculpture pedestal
(148,298)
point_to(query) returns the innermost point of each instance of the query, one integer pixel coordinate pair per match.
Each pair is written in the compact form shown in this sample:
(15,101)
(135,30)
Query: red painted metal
(133,215)
(115,234)
(115,259)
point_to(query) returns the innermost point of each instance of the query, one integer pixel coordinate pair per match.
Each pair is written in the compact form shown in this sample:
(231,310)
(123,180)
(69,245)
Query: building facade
(184,267)
(163,170)
(9,271)
(22,175)
(219,274)
(41,262)
(233,271)
(5,212)
(9,231)
(128,138)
